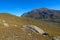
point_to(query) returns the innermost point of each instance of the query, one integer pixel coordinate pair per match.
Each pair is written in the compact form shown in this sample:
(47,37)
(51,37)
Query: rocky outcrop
(36,29)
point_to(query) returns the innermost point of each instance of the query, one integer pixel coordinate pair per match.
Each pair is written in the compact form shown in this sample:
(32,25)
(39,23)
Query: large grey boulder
(36,29)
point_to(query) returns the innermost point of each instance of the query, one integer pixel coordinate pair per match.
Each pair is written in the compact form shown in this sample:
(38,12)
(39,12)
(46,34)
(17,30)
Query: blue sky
(18,7)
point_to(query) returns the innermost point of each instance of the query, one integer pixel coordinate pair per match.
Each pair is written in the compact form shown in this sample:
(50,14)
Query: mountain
(13,28)
(44,14)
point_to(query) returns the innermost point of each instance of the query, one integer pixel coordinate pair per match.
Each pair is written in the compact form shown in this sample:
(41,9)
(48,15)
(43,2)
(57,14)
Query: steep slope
(11,28)
(44,14)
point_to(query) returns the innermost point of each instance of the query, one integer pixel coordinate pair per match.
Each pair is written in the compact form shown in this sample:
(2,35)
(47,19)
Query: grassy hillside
(13,29)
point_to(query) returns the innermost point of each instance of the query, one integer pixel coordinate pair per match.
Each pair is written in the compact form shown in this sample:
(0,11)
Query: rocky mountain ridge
(44,14)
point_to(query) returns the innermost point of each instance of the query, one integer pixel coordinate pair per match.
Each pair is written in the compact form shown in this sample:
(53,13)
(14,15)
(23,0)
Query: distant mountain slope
(44,14)
(11,28)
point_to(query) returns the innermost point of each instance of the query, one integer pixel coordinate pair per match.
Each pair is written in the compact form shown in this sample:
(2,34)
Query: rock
(36,29)
(15,25)
(56,38)
(3,21)
(6,24)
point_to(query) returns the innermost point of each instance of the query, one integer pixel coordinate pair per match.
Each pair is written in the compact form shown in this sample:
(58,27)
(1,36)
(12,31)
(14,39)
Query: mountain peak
(44,8)
(40,9)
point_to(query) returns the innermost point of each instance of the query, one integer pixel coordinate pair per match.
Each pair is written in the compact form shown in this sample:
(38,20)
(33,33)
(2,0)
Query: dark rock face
(44,13)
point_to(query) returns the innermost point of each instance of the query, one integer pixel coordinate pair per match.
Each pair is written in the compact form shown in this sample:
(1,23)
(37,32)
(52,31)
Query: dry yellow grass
(18,33)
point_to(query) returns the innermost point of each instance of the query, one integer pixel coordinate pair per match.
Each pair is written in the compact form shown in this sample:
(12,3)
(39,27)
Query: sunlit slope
(13,28)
